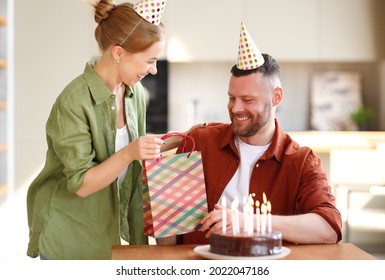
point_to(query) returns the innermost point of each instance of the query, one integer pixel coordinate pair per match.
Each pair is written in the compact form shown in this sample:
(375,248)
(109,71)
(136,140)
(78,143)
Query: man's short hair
(269,69)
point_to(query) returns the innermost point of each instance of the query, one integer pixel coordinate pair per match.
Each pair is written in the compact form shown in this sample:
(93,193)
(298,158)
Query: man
(252,155)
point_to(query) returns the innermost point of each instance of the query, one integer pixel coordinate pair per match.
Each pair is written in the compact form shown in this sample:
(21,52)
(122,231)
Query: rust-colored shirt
(292,177)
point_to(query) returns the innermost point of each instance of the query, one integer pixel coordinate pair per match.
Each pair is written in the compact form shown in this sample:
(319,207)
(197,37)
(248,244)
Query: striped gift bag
(174,194)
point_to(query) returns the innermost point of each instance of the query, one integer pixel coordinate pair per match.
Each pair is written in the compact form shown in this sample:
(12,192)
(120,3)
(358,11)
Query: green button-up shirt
(80,134)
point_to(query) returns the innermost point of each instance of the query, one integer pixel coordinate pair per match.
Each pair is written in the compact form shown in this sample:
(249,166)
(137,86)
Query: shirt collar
(275,149)
(99,91)
(227,138)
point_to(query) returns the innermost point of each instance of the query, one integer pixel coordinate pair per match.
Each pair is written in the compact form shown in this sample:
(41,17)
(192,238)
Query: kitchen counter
(326,141)
(340,251)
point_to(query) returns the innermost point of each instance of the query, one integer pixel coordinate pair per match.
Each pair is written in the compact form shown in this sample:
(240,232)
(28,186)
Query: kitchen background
(44,44)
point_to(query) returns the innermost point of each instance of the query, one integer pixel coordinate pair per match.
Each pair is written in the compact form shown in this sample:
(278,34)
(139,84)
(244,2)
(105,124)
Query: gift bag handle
(185,137)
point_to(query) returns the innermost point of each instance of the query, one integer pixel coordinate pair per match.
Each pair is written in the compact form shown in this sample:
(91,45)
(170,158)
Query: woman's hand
(103,174)
(145,147)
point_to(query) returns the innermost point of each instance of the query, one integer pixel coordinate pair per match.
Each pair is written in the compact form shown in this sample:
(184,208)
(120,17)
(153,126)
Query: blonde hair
(121,25)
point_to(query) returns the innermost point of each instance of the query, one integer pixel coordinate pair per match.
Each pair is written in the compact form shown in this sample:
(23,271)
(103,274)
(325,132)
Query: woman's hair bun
(103,9)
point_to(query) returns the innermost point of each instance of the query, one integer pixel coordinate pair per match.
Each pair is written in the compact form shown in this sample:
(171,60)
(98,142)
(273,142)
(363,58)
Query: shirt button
(112,107)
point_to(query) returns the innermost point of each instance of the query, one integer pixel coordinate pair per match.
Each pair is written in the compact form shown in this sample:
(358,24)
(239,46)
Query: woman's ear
(117,52)
(277,96)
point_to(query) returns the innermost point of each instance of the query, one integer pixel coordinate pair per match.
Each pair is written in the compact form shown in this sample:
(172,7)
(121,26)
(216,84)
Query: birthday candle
(233,219)
(244,215)
(269,221)
(236,214)
(264,214)
(250,217)
(253,195)
(263,223)
(264,198)
(258,217)
(224,217)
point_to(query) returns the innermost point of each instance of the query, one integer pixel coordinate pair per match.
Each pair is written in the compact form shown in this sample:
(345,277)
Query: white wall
(52,44)
(208,83)
(53,41)
(205,83)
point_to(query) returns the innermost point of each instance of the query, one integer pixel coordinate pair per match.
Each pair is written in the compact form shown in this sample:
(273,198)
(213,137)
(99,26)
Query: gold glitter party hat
(249,56)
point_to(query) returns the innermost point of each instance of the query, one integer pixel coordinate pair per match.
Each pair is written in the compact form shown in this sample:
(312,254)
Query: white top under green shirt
(121,141)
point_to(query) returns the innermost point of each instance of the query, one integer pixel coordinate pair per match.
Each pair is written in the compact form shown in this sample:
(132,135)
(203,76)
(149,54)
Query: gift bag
(174,193)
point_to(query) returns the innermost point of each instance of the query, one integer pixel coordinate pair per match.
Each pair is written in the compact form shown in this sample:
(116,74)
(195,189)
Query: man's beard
(256,123)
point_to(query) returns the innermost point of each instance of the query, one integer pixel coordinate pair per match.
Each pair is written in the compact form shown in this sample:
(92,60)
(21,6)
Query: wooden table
(341,251)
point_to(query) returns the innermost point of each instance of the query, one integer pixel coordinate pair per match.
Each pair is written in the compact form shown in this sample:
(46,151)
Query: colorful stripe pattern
(174,195)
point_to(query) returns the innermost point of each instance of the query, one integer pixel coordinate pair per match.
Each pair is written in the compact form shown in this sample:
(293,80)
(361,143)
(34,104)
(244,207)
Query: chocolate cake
(244,244)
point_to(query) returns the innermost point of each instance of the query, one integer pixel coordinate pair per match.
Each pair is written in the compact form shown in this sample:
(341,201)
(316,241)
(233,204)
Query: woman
(89,193)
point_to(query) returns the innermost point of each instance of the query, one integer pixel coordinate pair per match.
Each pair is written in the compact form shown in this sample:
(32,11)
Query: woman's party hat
(150,10)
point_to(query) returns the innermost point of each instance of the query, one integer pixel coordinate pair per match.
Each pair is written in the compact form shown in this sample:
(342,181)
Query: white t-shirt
(121,141)
(239,184)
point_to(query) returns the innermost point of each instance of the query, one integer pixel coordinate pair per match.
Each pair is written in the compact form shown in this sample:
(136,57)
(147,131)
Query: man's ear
(277,96)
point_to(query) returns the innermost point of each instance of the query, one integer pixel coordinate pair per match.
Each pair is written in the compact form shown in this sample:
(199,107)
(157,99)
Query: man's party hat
(150,10)
(249,56)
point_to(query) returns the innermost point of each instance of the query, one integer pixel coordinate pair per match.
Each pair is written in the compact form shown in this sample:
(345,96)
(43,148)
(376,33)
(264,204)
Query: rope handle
(185,138)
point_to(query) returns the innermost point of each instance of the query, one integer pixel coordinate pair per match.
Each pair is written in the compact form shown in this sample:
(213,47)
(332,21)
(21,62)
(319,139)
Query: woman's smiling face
(133,67)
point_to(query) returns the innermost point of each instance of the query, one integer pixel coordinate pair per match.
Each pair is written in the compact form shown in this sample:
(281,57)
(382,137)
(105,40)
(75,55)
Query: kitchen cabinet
(284,29)
(347,30)
(295,30)
(202,30)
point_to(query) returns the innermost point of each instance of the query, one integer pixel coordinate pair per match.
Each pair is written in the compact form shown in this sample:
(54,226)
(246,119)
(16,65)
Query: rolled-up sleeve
(315,194)
(72,143)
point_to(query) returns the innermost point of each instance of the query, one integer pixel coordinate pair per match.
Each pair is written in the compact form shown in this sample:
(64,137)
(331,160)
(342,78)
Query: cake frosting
(244,244)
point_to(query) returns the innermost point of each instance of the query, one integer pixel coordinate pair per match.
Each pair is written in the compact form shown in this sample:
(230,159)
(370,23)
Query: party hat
(249,56)
(150,10)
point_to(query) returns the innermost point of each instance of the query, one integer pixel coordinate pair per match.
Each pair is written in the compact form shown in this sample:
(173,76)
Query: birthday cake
(244,244)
